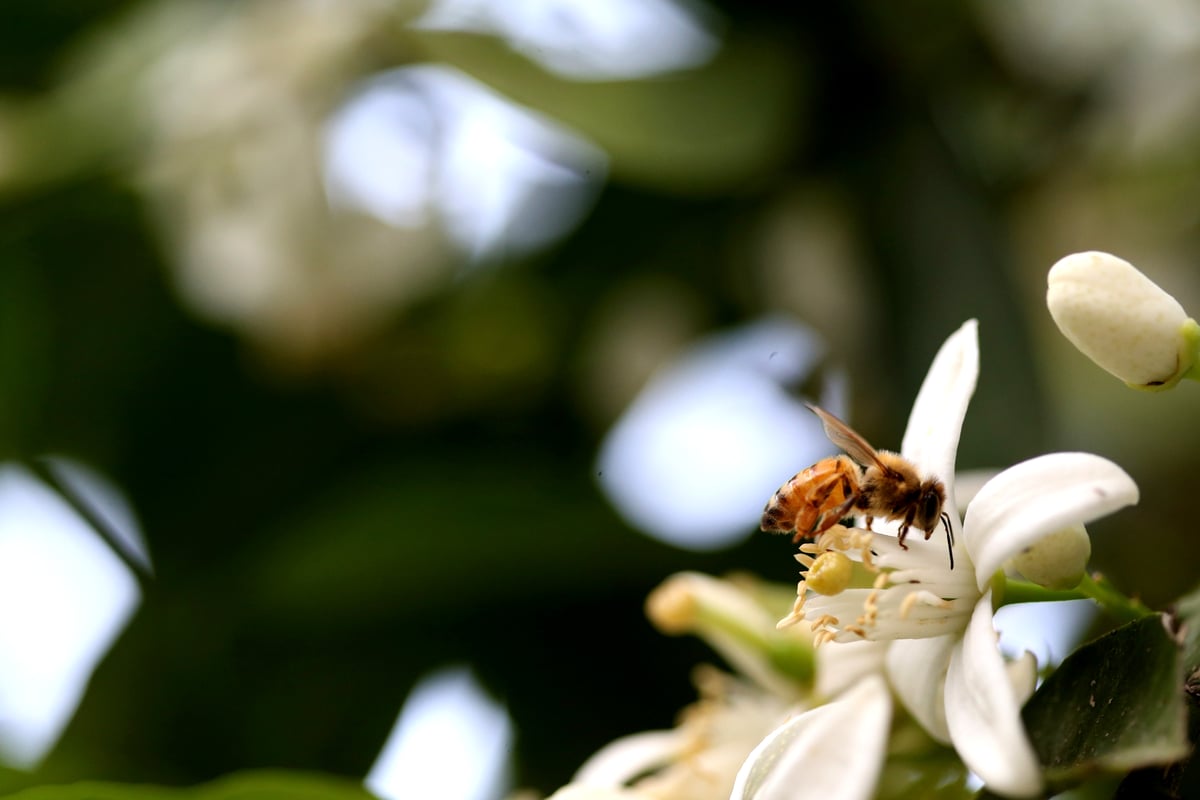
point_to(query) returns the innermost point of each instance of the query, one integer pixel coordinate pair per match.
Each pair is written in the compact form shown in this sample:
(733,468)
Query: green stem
(1093,587)
(1015,591)
(789,655)
(1124,609)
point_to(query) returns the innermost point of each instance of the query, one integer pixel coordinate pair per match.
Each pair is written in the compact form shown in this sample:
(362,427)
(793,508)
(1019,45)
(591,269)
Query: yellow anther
(788,621)
(825,620)
(839,537)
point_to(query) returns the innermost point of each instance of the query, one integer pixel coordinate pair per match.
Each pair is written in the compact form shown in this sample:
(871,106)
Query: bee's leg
(868,522)
(848,488)
(831,518)
(904,526)
(810,522)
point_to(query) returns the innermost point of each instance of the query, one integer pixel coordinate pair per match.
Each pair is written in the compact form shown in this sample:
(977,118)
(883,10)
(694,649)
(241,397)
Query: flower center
(913,595)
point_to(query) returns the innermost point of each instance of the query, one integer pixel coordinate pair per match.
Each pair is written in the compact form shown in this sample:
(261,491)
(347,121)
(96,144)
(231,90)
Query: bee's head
(929,506)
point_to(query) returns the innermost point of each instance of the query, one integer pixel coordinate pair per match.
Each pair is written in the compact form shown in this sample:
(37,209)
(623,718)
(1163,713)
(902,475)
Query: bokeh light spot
(1048,630)
(66,597)
(696,456)
(428,142)
(452,741)
(586,40)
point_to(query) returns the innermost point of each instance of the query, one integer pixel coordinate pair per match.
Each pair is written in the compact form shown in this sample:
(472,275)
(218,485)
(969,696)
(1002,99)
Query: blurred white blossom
(1128,55)
(306,193)
(699,759)
(585,40)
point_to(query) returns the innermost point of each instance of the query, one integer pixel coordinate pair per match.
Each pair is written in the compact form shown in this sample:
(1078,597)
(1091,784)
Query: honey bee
(878,484)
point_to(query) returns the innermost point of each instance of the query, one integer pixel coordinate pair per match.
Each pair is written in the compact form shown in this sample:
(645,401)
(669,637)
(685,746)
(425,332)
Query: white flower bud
(689,602)
(1121,319)
(731,617)
(1057,560)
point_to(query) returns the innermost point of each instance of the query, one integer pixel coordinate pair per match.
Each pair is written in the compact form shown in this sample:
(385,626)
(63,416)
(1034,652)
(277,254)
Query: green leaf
(940,777)
(264,785)
(1114,705)
(1187,615)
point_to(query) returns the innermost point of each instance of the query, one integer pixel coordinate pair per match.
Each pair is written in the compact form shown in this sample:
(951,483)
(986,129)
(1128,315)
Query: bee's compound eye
(931,509)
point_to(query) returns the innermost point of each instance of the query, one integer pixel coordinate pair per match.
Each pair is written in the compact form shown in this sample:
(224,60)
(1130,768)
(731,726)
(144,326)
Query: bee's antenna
(949,537)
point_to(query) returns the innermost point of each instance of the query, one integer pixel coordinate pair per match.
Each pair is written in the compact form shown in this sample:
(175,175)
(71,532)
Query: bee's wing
(846,438)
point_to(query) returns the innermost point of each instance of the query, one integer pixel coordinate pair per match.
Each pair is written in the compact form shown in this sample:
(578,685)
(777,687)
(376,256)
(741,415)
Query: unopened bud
(729,616)
(673,605)
(1057,560)
(1122,320)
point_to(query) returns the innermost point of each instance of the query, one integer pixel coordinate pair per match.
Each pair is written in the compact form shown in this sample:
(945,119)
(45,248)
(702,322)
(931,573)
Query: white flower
(1121,319)
(577,791)
(699,759)
(942,660)
(735,716)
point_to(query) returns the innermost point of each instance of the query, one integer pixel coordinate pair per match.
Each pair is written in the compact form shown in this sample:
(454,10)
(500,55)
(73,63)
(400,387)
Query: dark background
(330,523)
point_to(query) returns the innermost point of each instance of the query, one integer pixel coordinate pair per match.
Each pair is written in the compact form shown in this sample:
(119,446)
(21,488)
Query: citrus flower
(942,660)
(780,679)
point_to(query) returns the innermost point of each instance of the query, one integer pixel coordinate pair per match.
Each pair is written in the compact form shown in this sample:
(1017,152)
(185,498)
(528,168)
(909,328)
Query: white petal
(931,438)
(917,671)
(967,484)
(983,712)
(624,759)
(1022,674)
(841,665)
(833,752)
(899,614)
(1036,497)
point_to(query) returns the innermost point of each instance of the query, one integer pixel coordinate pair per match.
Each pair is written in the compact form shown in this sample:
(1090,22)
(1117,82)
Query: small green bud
(1057,560)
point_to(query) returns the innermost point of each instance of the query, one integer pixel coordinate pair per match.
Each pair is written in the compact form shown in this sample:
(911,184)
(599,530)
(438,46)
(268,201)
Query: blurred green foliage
(264,785)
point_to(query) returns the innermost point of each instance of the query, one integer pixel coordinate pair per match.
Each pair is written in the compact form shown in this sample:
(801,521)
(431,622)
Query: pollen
(870,610)
(824,629)
(839,537)
(924,597)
